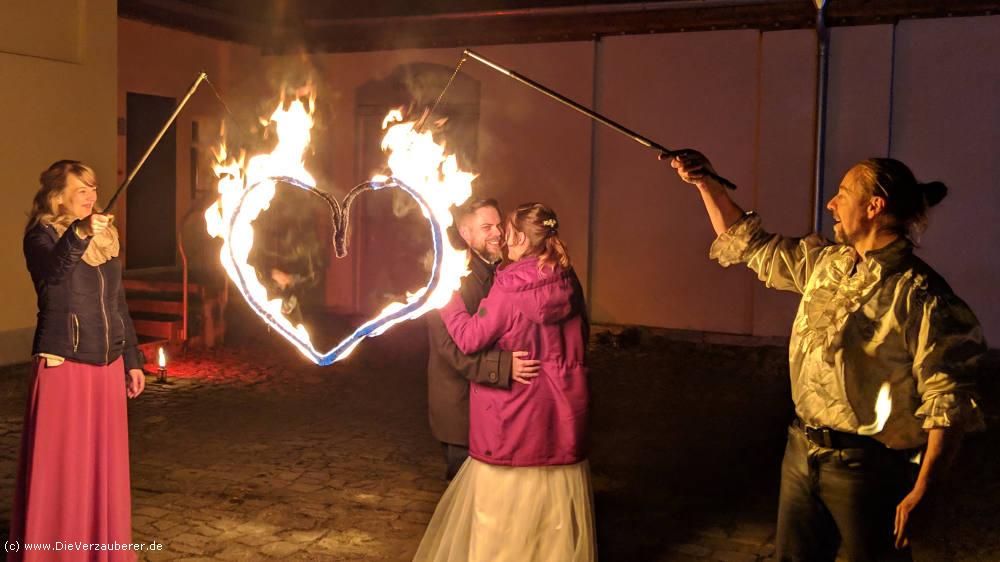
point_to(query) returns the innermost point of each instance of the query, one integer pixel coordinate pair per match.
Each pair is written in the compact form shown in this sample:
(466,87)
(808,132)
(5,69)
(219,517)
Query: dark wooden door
(151,201)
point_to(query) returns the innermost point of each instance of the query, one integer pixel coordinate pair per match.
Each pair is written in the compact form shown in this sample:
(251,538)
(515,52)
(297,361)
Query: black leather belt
(833,439)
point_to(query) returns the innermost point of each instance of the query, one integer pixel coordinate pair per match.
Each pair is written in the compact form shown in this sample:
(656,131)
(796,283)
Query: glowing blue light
(370,328)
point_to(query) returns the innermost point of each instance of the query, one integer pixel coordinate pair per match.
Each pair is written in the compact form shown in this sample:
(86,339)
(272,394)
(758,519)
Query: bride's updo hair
(541,225)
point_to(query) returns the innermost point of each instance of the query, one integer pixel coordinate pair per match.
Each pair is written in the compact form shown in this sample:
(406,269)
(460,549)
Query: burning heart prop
(340,216)
(419,167)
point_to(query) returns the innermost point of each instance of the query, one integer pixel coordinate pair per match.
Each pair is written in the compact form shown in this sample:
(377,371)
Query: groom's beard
(490,252)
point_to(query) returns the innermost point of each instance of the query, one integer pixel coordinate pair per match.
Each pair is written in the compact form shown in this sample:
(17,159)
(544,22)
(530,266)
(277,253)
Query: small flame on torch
(883,407)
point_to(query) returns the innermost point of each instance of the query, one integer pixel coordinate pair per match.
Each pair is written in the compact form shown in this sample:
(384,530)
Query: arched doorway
(394,240)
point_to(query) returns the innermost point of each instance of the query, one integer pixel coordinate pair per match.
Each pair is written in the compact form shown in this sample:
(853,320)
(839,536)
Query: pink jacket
(543,313)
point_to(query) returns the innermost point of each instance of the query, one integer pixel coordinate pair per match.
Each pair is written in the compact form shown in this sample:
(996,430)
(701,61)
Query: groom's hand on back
(523,369)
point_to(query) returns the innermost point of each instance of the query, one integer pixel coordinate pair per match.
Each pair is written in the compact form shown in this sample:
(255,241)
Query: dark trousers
(839,497)
(454,456)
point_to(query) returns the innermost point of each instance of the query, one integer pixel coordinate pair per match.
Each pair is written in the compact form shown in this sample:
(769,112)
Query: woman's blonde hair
(52,182)
(540,224)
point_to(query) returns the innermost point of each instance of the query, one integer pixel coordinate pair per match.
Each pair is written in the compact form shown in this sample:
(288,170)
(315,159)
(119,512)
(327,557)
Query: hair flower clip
(551,223)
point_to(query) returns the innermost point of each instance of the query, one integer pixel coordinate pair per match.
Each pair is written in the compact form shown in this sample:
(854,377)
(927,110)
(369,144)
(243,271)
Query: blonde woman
(73,478)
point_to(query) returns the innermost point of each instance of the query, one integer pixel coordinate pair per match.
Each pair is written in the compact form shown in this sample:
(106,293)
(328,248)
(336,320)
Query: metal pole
(823,63)
(586,111)
(156,141)
(592,187)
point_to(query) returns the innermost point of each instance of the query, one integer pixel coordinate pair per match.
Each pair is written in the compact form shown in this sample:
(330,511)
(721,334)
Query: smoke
(291,246)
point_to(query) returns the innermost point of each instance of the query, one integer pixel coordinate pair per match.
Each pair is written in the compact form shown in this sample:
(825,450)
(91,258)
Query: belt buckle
(826,440)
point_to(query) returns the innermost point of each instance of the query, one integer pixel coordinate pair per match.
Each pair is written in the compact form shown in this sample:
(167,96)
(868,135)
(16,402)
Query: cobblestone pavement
(251,453)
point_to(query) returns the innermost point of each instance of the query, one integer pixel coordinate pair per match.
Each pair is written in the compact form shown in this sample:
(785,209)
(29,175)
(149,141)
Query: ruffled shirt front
(887,318)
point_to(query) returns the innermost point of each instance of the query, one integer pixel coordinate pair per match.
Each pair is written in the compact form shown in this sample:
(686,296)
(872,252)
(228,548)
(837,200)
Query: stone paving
(251,453)
(284,460)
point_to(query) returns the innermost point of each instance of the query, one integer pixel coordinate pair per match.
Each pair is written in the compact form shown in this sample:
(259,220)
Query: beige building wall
(924,92)
(785,147)
(946,126)
(921,91)
(650,243)
(58,67)
(164,62)
(860,88)
(530,148)
(747,99)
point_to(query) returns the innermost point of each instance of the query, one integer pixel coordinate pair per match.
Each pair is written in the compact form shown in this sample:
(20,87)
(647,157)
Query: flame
(161,359)
(246,187)
(422,164)
(883,407)
(419,166)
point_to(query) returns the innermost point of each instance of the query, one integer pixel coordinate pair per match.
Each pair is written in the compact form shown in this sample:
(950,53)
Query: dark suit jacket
(449,370)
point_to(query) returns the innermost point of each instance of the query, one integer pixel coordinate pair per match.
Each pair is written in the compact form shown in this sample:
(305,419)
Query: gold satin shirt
(862,322)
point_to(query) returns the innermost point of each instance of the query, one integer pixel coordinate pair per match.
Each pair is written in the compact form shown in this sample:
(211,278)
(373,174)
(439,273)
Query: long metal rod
(156,141)
(587,111)
(823,65)
(592,184)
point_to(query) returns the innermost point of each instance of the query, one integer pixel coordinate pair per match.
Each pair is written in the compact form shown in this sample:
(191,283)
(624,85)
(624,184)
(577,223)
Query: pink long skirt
(73,477)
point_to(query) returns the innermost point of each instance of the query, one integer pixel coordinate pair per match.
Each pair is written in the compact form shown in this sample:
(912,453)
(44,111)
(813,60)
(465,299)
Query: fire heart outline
(340,218)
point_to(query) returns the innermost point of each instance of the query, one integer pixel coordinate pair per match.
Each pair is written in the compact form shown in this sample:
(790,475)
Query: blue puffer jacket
(82,315)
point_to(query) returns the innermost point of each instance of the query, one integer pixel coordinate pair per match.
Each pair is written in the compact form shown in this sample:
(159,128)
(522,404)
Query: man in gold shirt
(873,316)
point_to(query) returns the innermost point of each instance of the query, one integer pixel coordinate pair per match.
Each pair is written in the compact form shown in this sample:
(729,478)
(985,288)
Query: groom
(448,369)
